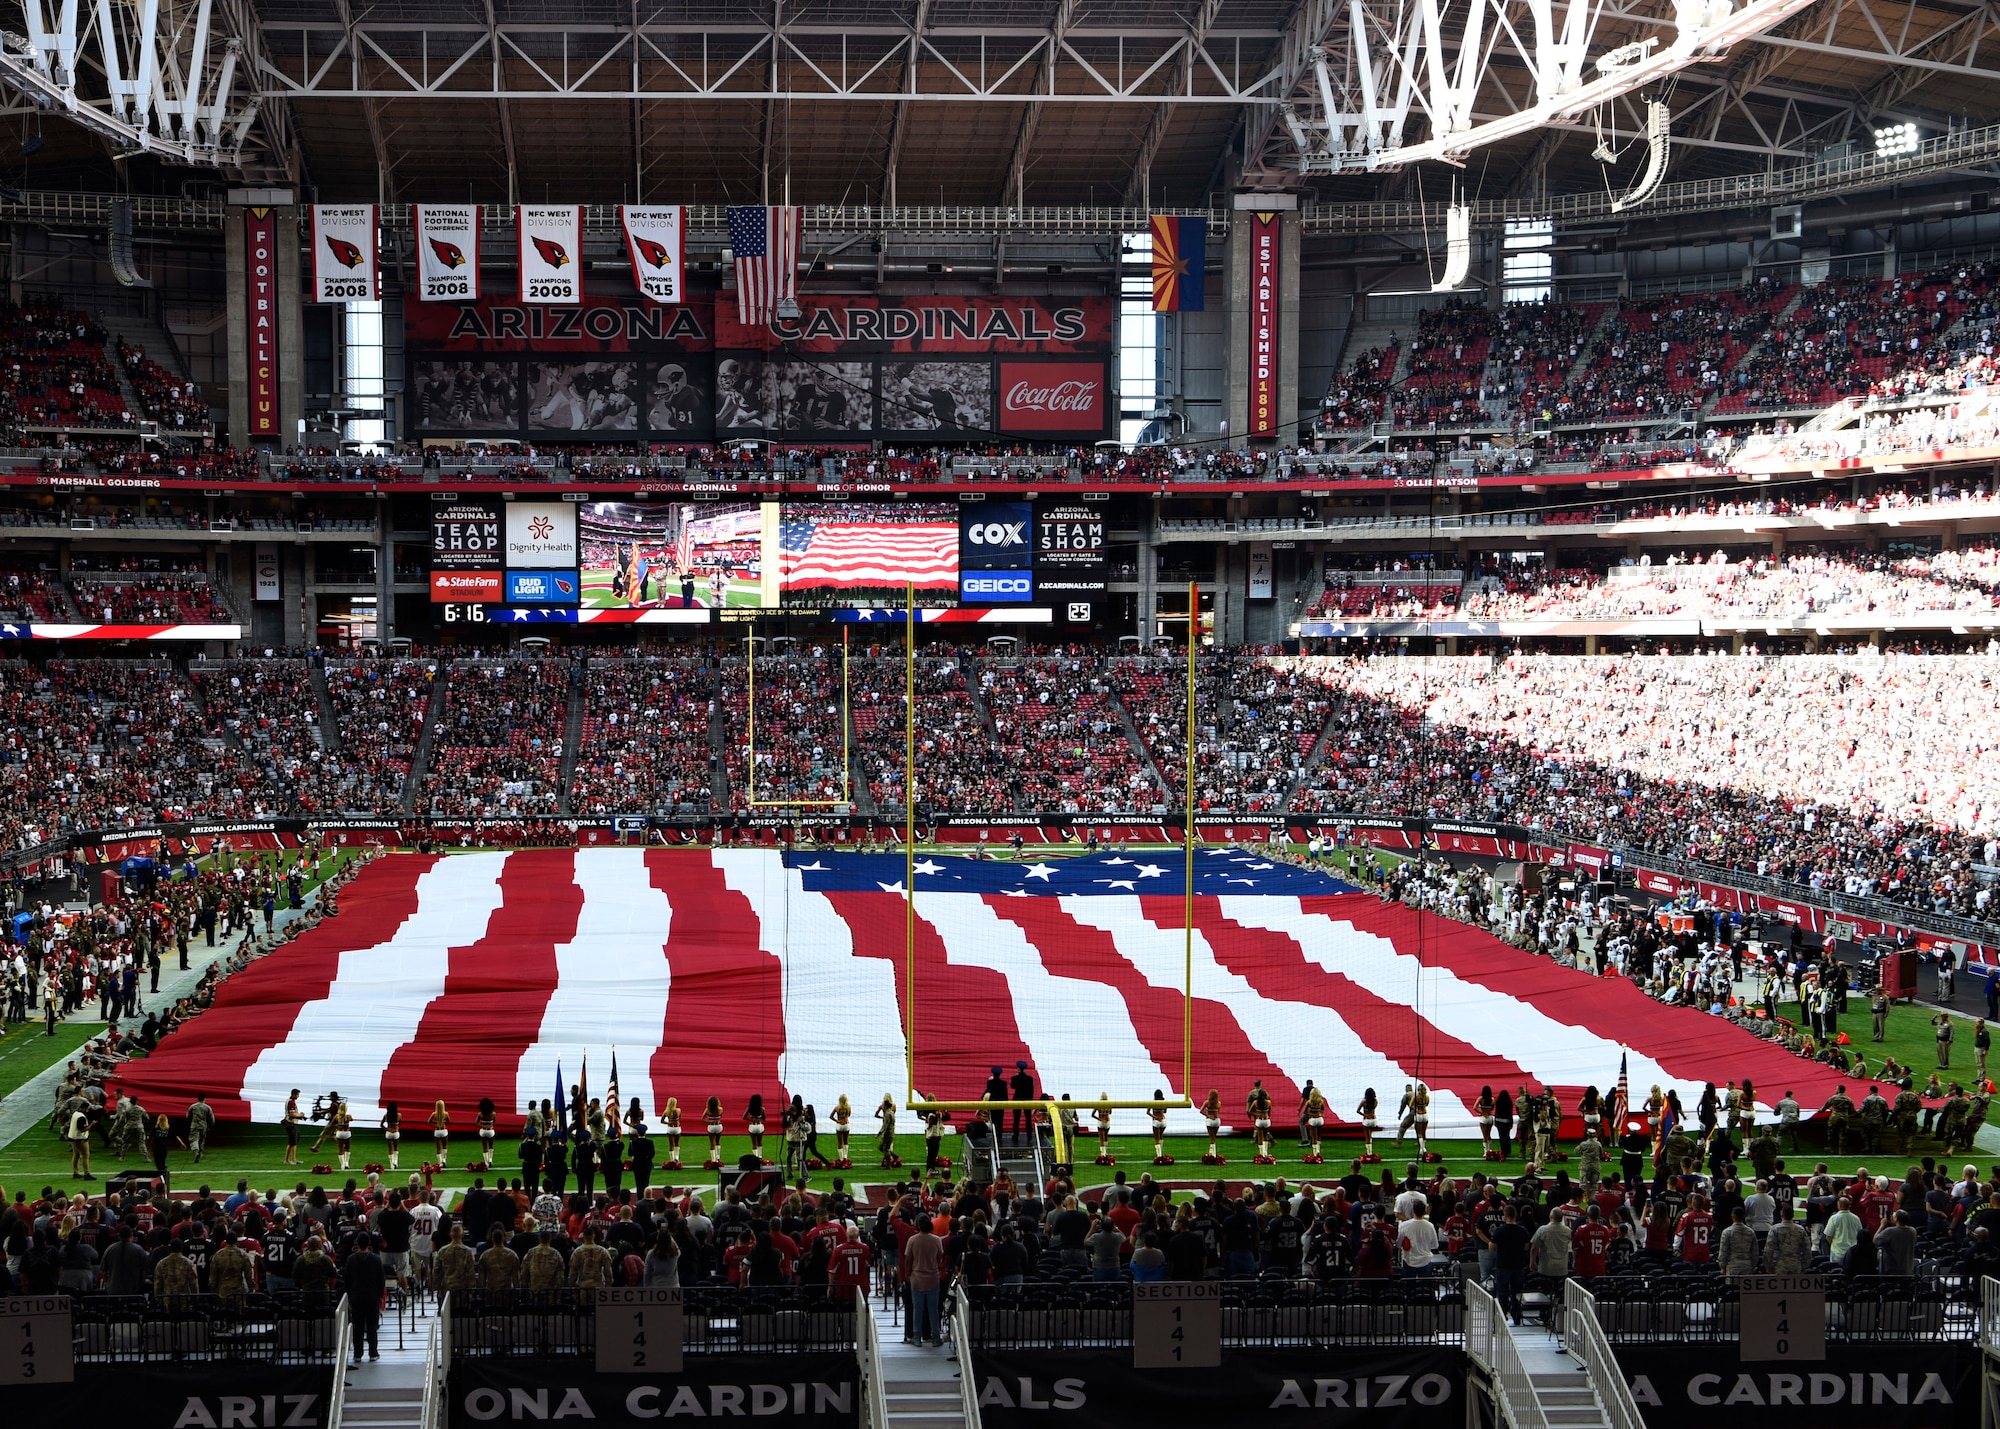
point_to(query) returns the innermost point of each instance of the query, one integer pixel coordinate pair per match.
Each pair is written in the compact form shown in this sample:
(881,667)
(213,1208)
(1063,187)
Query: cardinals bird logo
(449,254)
(654,253)
(553,253)
(344,252)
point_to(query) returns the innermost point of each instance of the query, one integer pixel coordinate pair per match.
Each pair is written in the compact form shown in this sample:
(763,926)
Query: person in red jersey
(848,1266)
(1695,1235)
(1591,1245)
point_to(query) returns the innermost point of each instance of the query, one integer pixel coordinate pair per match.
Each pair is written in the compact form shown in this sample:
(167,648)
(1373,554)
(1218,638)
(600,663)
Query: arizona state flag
(1180,253)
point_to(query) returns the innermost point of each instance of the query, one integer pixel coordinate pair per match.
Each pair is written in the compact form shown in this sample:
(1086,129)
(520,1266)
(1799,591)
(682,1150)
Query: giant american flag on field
(853,548)
(725,972)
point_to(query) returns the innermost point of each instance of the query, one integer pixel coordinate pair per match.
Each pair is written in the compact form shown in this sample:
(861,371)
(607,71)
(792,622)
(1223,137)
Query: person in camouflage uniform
(1951,1121)
(1764,1153)
(590,1264)
(1975,1117)
(454,1267)
(1874,1120)
(314,1270)
(499,1268)
(1590,1163)
(230,1272)
(542,1267)
(128,1130)
(1839,1108)
(174,1278)
(1909,1106)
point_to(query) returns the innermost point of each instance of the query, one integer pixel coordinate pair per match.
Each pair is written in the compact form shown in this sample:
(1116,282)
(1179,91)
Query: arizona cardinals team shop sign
(1375,1388)
(845,369)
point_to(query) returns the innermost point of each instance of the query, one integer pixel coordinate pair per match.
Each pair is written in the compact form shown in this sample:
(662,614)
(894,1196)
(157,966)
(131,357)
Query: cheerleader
(1370,1106)
(885,1139)
(342,1122)
(1483,1109)
(440,1130)
(392,1131)
(712,1114)
(933,1141)
(487,1131)
(1315,1112)
(842,1115)
(635,1119)
(1211,1112)
(1420,1113)
(1158,1113)
(671,1120)
(1746,1108)
(1101,1113)
(291,1125)
(753,1122)
(1259,1107)
(1655,1106)
(1592,1108)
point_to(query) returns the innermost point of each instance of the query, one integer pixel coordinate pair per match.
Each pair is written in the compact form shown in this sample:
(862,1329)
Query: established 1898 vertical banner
(260,301)
(1264,233)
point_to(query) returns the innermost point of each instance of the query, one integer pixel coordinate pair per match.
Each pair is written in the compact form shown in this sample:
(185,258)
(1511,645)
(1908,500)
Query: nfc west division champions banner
(847,369)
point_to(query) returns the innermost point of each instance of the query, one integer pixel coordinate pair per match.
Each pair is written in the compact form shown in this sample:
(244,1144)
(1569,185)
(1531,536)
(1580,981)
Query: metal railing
(968,1382)
(1989,1314)
(1584,1338)
(1866,1309)
(875,1393)
(563,1323)
(1490,1342)
(437,1367)
(278,1329)
(1089,1316)
(343,1347)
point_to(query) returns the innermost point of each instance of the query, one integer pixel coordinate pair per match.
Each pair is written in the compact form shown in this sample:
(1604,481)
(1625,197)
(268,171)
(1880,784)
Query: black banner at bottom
(227,1394)
(1418,1387)
(817,1389)
(1859,1386)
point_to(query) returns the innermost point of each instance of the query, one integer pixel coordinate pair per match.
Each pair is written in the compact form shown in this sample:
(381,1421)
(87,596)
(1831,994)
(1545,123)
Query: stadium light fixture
(1658,138)
(1457,248)
(1894,140)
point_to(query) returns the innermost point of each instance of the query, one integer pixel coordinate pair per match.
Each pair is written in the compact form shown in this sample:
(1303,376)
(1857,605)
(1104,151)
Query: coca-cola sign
(1052,397)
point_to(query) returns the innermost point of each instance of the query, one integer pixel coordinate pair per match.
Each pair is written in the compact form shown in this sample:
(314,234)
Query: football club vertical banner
(551,253)
(653,239)
(1264,234)
(260,271)
(1180,256)
(448,252)
(347,253)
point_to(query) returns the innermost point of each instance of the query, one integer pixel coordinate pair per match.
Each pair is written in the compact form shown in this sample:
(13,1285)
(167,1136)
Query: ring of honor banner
(551,253)
(820,1390)
(1265,229)
(654,240)
(447,252)
(346,252)
(1388,1387)
(1909,1385)
(260,277)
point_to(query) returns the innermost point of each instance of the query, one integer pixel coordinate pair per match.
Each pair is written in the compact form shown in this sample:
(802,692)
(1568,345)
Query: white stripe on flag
(843,1034)
(611,977)
(343,1042)
(1303,1040)
(1079,1033)
(1552,1052)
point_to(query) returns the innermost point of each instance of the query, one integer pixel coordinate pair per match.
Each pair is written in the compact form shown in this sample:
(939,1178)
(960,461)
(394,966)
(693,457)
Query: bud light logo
(1052,397)
(541,587)
(988,587)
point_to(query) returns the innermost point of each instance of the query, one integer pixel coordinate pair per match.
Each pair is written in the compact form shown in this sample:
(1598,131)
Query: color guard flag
(551,253)
(1180,253)
(448,252)
(653,240)
(766,244)
(346,253)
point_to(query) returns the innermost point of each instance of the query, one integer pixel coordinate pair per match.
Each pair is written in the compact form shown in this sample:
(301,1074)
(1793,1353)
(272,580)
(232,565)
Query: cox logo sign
(1018,586)
(995,537)
(997,533)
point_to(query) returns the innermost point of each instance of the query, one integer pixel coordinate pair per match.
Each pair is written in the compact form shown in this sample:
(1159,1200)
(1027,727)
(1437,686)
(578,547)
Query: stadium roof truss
(993,103)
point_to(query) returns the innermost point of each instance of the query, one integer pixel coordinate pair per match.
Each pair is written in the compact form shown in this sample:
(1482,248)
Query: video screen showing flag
(669,555)
(859,554)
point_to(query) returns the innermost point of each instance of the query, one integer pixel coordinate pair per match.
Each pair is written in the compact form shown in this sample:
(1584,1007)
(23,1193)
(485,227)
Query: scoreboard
(489,552)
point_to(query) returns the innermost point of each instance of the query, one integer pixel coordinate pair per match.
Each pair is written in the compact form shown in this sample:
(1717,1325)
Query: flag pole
(910,837)
(1187,834)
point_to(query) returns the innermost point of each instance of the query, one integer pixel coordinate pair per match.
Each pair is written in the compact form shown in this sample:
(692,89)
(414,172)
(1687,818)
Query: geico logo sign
(998,585)
(653,1401)
(997,533)
(245,1411)
(1059,397)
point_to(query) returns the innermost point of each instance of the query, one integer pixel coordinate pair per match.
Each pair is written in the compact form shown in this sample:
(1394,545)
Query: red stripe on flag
(1224,1057)
(1277,967)
(1690,1044)
(256,1009)
(471,1038)
(951,1065)
(725,1025)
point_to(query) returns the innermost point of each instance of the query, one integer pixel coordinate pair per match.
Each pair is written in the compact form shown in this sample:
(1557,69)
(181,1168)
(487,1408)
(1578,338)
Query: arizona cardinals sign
(551,253)
(448,252)
(346,253)
(653,238)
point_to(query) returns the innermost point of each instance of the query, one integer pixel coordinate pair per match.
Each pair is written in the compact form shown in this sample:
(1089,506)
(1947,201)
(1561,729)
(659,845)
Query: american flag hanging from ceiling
(766,244)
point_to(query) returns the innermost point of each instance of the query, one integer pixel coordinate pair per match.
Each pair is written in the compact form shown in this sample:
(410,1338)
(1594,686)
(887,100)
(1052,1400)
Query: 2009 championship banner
(1886,1386)
(1389,1388)
(821,1390)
